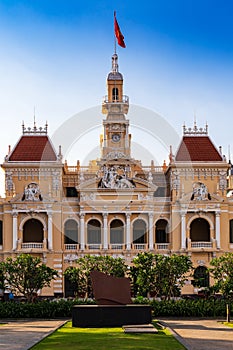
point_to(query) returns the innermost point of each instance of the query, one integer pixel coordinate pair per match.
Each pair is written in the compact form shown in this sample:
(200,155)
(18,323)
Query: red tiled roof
(33,149)
(197,149)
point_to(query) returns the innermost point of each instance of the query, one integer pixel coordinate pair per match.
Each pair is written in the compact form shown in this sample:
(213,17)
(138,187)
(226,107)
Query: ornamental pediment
(121,184)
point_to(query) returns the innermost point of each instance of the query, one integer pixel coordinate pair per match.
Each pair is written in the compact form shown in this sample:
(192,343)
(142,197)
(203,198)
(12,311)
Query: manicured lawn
(68,337)
(229,324)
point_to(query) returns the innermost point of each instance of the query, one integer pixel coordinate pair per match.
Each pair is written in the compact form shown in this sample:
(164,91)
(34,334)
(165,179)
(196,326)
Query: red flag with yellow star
(118,34)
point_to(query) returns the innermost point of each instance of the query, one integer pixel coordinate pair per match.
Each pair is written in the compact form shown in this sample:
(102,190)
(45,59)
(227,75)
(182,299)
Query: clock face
(116,137)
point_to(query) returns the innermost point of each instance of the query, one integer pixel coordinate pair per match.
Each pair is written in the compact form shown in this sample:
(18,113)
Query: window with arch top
(115,94)
(71,232)
(116,232)
(139,231)
(161,234)
(93,232)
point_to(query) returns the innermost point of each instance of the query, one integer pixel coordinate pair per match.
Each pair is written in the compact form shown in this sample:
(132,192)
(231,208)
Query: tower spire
(34,117)
(114,63)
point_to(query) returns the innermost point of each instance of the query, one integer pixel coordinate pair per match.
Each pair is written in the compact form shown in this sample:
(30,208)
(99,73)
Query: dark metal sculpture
(110,290)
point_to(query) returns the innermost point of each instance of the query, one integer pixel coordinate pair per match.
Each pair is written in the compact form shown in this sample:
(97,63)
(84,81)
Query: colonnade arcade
(116,231)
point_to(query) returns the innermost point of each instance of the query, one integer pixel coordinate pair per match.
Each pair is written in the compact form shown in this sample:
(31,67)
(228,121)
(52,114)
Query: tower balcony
(115,105)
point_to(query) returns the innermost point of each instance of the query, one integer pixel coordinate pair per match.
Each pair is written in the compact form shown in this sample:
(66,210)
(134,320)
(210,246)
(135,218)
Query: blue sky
(55,55)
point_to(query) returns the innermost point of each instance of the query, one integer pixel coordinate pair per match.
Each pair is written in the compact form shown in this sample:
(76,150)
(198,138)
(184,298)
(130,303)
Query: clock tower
(115,143)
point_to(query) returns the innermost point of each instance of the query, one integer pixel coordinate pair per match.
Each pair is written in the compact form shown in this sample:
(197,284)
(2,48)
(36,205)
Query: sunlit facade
(116,206)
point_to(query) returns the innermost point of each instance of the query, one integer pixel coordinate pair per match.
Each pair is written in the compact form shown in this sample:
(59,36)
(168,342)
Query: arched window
(200,230)
(231,231)
(115,94)
(33,231)
(116,232)
(161,234)
(1,233)
(201,277)
(93,232)
(139,231)
(71,232)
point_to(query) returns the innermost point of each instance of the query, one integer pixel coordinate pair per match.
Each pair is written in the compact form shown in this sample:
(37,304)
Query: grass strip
(68,337)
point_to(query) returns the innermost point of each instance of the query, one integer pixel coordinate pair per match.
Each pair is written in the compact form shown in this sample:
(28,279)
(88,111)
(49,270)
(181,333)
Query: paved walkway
(199,334)
(196,334)
(23,334)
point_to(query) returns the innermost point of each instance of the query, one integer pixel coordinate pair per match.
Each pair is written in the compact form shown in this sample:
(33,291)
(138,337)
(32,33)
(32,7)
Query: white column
(105,140)
(217,228)
(127,137)
(15,231)
(151,231)
(105,238)
(128,240)
(183,231)
(82,231)
(50,231)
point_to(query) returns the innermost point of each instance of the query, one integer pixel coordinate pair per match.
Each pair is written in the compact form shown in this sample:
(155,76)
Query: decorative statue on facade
(200,192)
(9,182)
(115,177)
(32,193)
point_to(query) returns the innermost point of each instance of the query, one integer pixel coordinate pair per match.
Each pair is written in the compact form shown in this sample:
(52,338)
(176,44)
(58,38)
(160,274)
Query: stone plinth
(110,315)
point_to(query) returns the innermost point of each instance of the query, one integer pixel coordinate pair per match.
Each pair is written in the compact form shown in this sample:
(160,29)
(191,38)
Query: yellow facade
(115,206)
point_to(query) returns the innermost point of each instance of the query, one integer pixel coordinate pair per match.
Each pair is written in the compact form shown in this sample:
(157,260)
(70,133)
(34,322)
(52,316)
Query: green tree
(222,273)
(143,273)
(26,275)
(80,274)
(160,274)
(171,274)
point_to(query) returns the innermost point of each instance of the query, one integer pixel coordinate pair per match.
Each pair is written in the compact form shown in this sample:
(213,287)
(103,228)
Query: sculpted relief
(200,192)
(115,177)
(32,193)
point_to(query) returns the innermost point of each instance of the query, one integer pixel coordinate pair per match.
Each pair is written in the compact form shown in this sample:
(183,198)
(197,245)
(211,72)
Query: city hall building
(116,206)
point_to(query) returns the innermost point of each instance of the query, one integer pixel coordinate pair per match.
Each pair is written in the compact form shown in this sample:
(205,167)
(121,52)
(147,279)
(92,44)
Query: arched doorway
(231,231)
(71,288)
(93,233)
(1,233)
(71,232)
(139,232)
(117,233)
(33,231)
(161,234)
(200,230)
(201,277)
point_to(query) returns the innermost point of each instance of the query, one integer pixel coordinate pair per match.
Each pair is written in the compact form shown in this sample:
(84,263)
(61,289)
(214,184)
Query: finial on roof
(171,156)
(114,63)
(34,116)
(195,131)
(115,74)
(23,127)
(35,130)
(229,154)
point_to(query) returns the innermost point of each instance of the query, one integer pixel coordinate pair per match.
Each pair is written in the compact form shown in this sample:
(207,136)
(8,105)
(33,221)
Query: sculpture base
(110,315)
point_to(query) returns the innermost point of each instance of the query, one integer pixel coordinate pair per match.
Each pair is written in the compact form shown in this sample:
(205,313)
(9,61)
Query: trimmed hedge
(42,309)
(63,308)
(188,308)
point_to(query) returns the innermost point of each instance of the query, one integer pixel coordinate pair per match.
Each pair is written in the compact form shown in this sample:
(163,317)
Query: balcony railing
(162,246)
(116,246)
(32,245)
(94,246)
(125,99)
(140,246)
(201,244)
(71,246)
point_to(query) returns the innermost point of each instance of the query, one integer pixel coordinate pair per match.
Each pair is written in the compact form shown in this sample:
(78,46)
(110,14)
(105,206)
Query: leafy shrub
(42,309)
(63,308)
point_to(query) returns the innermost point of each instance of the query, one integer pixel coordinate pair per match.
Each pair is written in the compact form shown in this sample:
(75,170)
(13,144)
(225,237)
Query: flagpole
(114,33)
